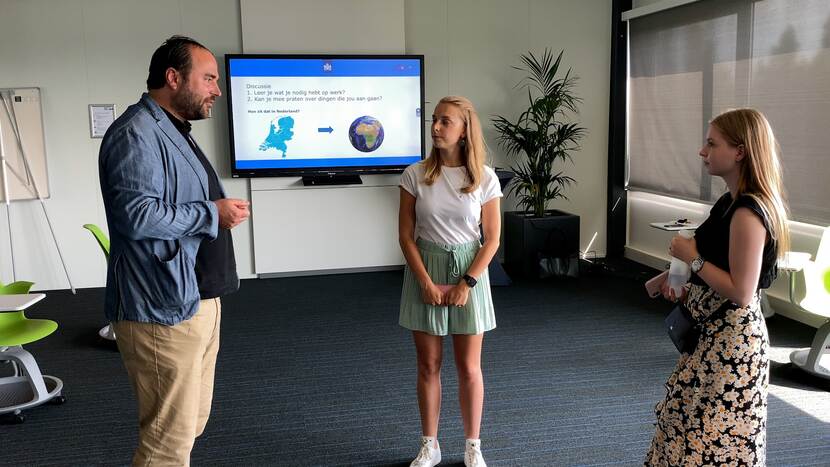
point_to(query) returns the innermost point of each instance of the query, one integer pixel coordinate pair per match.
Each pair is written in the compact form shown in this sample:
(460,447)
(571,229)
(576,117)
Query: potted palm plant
(538,142)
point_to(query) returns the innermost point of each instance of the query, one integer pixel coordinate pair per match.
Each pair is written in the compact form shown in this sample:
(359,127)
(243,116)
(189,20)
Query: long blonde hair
(473,153)
(760,172)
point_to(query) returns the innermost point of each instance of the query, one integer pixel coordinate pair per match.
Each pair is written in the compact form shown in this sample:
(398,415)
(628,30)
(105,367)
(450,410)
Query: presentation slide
(303,113)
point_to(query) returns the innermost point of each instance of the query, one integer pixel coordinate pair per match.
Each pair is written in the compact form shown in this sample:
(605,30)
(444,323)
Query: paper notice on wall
(101,117)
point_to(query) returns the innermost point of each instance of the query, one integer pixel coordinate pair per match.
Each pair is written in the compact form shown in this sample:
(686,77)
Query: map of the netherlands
(278,134)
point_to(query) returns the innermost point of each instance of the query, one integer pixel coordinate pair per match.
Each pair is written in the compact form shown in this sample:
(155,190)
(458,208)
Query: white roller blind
(690,63)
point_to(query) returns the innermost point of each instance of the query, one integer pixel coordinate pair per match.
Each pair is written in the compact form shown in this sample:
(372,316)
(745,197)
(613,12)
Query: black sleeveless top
(712,238)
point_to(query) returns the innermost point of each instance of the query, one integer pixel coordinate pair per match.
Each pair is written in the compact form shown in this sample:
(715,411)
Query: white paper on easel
(5,178)
(24,158)
(21,121)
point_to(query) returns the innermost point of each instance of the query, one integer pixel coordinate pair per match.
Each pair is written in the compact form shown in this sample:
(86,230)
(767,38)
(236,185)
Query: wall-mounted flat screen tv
(303,115)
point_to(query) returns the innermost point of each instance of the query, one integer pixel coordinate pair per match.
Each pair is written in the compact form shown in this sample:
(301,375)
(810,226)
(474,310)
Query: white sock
(474,442)
(430,440)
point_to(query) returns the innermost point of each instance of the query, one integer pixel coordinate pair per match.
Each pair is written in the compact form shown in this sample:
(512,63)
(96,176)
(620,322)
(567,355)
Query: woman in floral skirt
(715,410)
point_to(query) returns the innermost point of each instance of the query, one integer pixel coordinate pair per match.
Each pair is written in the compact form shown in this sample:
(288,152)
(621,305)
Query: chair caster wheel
(58,400)
(12,418)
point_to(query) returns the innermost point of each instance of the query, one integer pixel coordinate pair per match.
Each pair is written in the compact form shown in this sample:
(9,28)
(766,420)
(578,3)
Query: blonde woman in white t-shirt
(446,288)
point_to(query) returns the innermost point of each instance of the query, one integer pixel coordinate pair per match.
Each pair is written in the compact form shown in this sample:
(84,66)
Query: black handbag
(683,329)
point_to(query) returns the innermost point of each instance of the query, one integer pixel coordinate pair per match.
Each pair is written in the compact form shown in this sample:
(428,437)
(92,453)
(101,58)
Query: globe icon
(366,133)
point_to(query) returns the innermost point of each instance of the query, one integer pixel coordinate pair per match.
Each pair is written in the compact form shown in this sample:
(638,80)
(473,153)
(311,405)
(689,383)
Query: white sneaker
(472,454)
(107,332)
(430,453)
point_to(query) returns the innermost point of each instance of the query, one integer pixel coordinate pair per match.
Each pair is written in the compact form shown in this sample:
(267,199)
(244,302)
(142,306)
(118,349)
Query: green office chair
(816,300)
(106,332)
(101,237)
(27,387)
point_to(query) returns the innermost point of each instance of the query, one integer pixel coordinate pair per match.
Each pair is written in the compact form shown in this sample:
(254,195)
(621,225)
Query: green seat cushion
(21,331)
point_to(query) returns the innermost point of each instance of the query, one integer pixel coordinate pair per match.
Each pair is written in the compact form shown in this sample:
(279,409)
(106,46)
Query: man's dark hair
(174,53)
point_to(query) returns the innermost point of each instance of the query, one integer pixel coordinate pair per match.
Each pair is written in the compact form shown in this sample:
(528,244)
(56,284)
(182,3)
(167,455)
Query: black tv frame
(332,173)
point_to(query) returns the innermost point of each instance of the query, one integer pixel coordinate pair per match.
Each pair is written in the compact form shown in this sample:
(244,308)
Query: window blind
(690,63)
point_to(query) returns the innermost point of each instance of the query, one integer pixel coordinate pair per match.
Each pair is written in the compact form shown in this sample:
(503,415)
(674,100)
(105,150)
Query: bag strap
(699,324)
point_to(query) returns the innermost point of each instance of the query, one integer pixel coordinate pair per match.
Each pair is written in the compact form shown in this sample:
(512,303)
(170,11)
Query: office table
(19,302)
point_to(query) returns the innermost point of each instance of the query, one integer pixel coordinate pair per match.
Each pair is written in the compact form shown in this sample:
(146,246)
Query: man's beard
(190,106)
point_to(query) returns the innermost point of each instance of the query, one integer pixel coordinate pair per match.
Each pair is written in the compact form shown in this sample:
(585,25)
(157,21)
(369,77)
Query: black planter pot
(526,238)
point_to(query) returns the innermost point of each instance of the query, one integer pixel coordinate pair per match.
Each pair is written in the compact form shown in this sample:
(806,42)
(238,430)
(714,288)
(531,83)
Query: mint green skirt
(445,264)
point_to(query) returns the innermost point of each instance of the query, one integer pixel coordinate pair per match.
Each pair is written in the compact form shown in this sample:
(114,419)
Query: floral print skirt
(715,410)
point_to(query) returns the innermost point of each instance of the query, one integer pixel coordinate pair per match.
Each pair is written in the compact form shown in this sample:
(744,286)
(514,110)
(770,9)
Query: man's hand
(232,212)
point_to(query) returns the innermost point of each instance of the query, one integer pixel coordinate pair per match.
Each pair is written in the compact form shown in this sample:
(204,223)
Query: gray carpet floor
(316,371)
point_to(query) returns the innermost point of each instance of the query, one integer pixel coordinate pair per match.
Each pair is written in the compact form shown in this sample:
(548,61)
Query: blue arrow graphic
(325,130)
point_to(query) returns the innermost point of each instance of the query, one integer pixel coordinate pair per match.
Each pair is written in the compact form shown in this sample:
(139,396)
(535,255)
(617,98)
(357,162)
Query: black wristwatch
(697,264)
(470,280)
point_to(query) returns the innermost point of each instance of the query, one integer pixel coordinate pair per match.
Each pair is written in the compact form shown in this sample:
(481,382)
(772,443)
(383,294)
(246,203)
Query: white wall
(672,3)
(322,26)
(97,51)
(642,3)
(470,46)
(81,52)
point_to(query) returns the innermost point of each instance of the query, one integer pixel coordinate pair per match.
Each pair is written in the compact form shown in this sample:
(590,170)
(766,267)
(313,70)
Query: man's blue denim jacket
(155,194)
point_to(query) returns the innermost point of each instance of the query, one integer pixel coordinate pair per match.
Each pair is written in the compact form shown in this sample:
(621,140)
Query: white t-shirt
(444,214)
